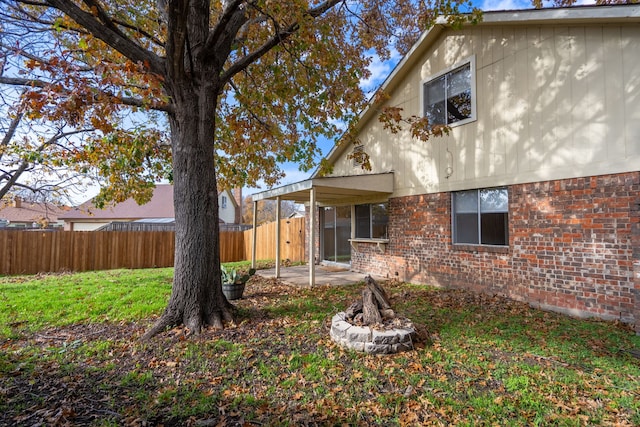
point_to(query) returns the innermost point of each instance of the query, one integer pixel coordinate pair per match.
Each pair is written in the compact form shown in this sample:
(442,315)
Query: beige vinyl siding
(228,213)
(552,102)
(87,226)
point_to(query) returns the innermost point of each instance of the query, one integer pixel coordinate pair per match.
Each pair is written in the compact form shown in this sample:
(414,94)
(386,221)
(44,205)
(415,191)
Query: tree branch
(221,26)
(140,31)
(39,59)
(11,131)
(111,35)
(278,38)
(19,81)
(13,176)
(133,102)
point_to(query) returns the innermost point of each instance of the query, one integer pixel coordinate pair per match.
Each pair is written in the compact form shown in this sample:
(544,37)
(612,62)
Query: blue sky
(379,72)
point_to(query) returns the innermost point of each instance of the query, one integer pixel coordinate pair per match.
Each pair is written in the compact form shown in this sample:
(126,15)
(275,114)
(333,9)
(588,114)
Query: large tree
(244,85)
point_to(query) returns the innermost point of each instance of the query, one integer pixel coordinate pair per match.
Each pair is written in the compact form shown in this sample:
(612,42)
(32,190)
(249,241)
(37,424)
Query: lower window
(372,221)
(481,217)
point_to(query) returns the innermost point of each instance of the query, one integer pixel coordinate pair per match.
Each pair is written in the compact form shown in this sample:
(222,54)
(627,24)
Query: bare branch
(11,131)
(33,57)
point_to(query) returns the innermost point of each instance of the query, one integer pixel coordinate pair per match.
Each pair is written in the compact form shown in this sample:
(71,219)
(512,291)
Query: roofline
(282,190)
(569,15)
(310,183)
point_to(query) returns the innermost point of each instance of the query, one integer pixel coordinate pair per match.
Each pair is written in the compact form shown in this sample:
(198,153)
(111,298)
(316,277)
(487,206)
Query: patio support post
(277,237)
(255,234)
(312,236)
(353,221)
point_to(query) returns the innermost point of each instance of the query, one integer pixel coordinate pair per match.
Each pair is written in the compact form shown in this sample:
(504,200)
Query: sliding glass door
(336,232)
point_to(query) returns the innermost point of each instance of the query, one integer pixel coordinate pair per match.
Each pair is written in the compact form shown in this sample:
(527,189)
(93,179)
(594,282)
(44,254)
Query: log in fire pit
(370,325)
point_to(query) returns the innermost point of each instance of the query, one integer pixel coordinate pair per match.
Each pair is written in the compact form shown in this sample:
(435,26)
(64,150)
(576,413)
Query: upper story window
(449,97)
(372,221)
(481,217)
(223,202)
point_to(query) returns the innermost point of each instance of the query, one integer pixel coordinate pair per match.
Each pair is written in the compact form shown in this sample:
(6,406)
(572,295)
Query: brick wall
(574,247)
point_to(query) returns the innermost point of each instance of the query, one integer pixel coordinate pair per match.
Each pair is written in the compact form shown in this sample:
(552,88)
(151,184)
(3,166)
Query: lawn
(70,354)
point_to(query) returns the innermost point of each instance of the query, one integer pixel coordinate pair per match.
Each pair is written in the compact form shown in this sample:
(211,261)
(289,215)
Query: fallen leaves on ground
(277,366)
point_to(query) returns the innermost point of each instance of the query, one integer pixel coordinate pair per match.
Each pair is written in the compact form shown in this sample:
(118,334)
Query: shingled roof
(19,211)
(160,206)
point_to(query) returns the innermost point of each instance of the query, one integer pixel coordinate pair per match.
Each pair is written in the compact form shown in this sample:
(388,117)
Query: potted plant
(233,282)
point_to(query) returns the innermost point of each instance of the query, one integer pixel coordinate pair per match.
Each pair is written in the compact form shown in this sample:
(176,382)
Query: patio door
(336,232)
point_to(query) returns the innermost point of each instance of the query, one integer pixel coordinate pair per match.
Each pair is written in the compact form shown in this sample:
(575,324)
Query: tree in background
(55,139)
(243,85)
(30,160)
(32,151)
(266,210)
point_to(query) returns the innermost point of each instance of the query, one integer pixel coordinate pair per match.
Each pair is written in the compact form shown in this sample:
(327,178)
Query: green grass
(490,362)
(31,303)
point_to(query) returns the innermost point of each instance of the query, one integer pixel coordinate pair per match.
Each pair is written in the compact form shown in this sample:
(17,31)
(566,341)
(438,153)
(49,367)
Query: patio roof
(333,189)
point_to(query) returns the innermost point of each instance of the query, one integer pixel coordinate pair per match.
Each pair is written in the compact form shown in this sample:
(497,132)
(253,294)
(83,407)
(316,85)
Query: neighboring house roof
(160,206)
(298,213)
(19,211)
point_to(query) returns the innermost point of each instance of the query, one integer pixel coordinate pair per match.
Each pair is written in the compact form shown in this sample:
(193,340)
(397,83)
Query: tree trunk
(196,300)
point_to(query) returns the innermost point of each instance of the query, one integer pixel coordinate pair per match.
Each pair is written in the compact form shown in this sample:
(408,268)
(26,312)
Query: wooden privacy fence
(30,252)
(292,240)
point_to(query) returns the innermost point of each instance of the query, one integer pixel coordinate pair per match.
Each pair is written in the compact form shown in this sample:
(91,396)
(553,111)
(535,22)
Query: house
(17,213)
(534,194)
(159,209)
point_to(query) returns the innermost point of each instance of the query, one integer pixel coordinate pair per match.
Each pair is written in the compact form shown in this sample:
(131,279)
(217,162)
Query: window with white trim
(372,221)
(223,202)
(481,217)
(449,98)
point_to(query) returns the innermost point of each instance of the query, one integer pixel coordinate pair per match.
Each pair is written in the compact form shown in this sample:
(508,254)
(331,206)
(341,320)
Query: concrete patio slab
(325,275)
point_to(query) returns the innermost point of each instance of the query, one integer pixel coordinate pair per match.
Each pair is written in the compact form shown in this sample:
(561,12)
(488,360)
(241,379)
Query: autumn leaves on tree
(230,89)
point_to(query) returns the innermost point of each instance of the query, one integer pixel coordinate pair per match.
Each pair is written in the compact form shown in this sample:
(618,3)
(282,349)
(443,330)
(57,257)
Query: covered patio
(318,192)
(298,275)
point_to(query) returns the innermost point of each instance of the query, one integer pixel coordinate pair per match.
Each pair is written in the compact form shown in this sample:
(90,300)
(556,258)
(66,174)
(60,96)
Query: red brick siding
(573,247)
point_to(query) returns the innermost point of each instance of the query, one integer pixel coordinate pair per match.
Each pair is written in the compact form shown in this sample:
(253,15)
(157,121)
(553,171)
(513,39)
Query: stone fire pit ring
(369,340)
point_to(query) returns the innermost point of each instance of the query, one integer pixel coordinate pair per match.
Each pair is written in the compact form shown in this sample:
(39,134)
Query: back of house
(535,192)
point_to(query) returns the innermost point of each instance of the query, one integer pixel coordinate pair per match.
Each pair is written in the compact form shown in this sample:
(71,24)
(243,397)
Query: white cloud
(379,70)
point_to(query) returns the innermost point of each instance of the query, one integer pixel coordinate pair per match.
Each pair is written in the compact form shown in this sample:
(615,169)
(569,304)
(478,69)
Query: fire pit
(370,325)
